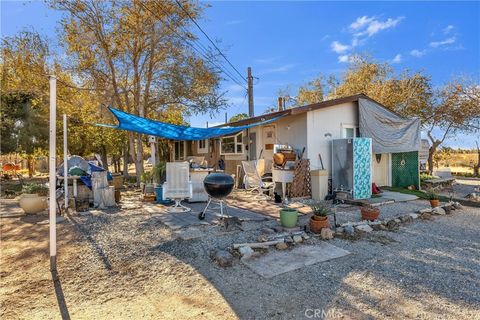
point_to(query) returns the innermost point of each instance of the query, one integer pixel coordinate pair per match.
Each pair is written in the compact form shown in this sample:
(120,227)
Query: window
(232,144)
(203,146)
(179,152)
(350,131)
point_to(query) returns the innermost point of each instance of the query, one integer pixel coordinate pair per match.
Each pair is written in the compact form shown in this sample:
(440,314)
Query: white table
(283,176)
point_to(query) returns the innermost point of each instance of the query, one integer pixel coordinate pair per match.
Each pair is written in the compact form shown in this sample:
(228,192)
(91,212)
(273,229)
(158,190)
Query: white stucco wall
(330,120)
(290,130)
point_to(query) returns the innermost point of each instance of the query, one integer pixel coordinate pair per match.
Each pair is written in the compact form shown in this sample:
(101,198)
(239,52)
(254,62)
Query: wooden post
(52,174)
(251,112)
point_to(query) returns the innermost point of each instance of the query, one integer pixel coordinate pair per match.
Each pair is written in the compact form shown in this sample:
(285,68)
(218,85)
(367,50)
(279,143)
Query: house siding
(323,121)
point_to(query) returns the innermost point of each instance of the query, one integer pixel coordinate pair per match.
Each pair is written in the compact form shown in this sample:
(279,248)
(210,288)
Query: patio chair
(178,185)
(253,180)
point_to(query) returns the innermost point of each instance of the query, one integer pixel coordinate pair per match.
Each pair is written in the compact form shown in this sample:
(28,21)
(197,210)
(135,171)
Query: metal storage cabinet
(352,166)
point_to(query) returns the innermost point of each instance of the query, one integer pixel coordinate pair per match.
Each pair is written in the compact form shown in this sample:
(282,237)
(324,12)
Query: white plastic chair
(178,185)
(253,178)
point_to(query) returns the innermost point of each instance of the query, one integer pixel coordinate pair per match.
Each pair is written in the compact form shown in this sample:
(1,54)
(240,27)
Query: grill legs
(223,207)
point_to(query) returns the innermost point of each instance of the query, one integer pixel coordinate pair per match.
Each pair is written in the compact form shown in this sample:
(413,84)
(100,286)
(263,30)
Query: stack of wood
(302,181)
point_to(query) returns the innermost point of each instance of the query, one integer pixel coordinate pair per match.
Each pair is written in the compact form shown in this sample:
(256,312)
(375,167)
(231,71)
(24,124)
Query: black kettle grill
(218,186)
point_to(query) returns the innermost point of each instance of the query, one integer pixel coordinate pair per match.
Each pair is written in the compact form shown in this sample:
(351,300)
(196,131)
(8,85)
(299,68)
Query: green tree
(137,54)
(238,117)
(444,112)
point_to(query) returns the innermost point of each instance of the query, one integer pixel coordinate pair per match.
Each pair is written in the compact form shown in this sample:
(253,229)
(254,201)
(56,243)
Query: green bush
(32,188)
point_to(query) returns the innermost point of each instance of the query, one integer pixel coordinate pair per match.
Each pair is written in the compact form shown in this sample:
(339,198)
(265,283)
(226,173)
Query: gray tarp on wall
(390,133)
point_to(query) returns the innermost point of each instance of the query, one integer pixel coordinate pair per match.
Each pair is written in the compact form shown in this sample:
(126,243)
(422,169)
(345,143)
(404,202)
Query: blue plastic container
(159,195)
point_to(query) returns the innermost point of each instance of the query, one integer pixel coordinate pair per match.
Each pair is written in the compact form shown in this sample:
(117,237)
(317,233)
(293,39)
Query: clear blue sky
(289,43)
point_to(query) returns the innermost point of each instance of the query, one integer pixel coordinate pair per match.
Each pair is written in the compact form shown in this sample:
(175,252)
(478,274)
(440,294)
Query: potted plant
(319,219)
(33,198)
(146,182)
(370,212)
(288,217)
(159,176)
(434,199)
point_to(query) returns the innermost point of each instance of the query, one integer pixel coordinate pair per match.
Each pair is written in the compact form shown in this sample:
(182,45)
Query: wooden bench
(440,182)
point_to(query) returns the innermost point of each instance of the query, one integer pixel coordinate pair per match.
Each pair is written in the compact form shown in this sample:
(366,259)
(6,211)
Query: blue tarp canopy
(130,122)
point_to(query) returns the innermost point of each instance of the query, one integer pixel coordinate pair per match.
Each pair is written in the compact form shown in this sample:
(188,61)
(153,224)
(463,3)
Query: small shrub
(33,188)
(320,208)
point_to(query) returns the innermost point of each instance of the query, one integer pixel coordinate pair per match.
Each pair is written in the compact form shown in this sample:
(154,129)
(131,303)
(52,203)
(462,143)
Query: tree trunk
(431,153)
(125,161)
(30,165)
(139,170)
(104,158)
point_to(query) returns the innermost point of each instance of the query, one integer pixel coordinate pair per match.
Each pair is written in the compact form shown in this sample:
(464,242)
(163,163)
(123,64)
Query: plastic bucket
(288,217)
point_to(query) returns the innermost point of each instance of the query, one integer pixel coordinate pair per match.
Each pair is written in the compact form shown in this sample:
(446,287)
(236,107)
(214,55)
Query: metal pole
(65,160)
(52,177)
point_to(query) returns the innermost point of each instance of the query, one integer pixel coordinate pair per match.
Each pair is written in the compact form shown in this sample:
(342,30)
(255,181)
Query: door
(269,139)
(380,169)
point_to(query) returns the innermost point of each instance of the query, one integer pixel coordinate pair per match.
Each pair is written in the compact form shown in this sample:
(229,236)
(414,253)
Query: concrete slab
(176,221)
(278,262)
(10,208)
(397,196)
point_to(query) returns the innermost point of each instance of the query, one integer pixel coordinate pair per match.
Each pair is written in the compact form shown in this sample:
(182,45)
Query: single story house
(395,139)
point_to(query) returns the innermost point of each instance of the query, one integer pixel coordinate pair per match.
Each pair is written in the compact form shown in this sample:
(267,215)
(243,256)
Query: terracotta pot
(369,213)
(318,223)
(33,203)
(434,203)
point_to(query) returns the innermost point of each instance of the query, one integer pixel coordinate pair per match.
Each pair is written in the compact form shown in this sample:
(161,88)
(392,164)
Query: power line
(191,45)
(206,35)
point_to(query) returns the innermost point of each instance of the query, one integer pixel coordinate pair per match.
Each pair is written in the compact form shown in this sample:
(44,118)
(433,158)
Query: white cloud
(436,44)
(283,68)
(338,47)
(448,29)
(361,22)
(418,53)
(344,58)
(397,58)
(370,26)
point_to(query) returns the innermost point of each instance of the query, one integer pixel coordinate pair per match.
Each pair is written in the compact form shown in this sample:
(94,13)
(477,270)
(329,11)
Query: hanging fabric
(130,122)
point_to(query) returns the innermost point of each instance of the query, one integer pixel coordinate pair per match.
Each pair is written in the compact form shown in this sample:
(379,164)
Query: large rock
(297,238)
(349,229)
(392,224)
(326,234)
(439,211)
(365,228)
(281,246)
(223,258)
(426,216)
(246,252)
(426,210)
(457,205)
(413,215)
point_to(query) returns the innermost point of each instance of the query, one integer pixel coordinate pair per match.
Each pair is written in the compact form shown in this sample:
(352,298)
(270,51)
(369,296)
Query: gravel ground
(462,187)
(127,264)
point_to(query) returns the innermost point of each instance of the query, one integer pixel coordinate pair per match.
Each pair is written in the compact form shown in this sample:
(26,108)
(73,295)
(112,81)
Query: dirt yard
(126,264)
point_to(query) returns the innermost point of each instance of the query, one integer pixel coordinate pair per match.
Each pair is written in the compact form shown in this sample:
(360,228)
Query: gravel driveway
(129,265)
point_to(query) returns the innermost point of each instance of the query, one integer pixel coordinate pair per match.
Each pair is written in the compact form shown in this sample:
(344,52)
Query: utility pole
(250,93)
